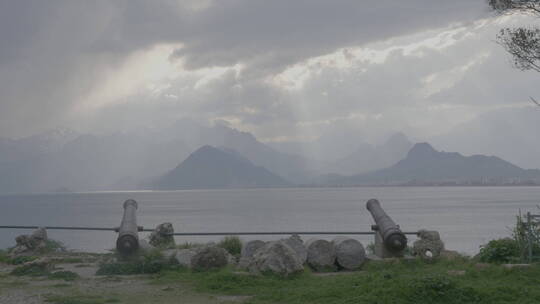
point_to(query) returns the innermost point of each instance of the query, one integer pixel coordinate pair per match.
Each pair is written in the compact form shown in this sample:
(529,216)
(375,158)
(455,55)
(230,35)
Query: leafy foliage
(500,251)
(232,244)
(524,46)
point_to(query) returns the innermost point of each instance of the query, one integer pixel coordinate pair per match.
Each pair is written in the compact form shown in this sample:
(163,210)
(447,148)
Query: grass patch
(151,262)
(188,245)
(4,258)
(61,285)
(69,260)
(232,244)
(63,275)
(399,282)
(79,299)
(33,270)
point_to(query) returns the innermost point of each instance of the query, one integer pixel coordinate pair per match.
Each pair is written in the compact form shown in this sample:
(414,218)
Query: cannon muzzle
(393,238)
(128,237)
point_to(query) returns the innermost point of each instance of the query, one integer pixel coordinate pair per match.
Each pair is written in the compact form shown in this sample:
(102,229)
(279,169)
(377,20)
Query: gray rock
(450,255)
(231,259)
(209,257)
(40,234)
(276,257)
(29,244)
(429,246)
(184,256)
(249,248)
(350,253)
(145,246)
(169,253)
(430,235)
(296,243)
(162,236)
(321,255)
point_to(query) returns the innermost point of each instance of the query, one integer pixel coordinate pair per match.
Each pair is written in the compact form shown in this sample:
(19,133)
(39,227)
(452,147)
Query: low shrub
(34,270)
(500,251)
(232,244)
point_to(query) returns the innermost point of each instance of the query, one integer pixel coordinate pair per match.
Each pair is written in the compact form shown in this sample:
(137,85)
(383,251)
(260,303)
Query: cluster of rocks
(201,258)
(29,244)
(288,256)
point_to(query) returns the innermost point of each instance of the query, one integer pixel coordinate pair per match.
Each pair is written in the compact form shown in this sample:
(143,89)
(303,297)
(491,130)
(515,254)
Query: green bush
(33,270)
(500,251)
(150,262)
(232,244)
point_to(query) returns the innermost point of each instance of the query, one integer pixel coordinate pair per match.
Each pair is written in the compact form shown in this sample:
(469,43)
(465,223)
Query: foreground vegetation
(406,281)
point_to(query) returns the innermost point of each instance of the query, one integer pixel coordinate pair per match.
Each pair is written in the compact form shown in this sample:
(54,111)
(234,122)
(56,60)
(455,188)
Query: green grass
(63,275)
(188,245)
(232,244)
(400,282)
(149,262)
(32,270)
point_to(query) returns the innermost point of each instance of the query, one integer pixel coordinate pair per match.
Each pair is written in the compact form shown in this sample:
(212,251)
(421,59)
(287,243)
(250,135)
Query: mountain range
(62,160)
(423,165)
(209,168)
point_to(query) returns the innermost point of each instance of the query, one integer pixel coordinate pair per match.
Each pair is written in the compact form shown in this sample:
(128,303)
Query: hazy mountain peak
(210,167)
(422,150)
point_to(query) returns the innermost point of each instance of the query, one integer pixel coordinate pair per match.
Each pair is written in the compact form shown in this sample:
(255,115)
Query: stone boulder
(429,245)
(296,243)
(321,255)
(184,256)
(30,244)
(209,257)
(276,257)
(162,236)
(248,250)
(350,253)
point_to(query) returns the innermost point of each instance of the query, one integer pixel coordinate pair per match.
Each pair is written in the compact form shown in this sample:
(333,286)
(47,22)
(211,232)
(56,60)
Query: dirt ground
(93,289)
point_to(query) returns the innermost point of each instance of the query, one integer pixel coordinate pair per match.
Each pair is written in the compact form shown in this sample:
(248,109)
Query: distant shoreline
(266,188)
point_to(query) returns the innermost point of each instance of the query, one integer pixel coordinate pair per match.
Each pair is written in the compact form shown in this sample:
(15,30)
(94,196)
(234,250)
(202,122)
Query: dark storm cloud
(53,52)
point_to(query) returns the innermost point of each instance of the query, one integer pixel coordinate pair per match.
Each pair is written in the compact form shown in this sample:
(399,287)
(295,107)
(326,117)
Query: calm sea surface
(465,216)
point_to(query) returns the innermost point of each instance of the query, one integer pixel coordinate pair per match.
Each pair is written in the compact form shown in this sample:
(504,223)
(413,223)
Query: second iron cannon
(128,237)
(390,241)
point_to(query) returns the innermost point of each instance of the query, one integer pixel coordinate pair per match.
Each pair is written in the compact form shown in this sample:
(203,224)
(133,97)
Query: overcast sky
(283,70)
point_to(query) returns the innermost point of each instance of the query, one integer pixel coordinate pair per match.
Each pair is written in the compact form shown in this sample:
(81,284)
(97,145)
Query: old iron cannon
(390,241)
(128,236)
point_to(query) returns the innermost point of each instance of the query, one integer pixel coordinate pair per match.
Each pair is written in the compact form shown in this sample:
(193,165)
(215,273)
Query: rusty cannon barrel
(128,236)
(393,239)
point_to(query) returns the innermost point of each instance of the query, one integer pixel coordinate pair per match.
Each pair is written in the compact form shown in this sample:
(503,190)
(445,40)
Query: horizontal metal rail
(206,233)
(58,228)
(284,233)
